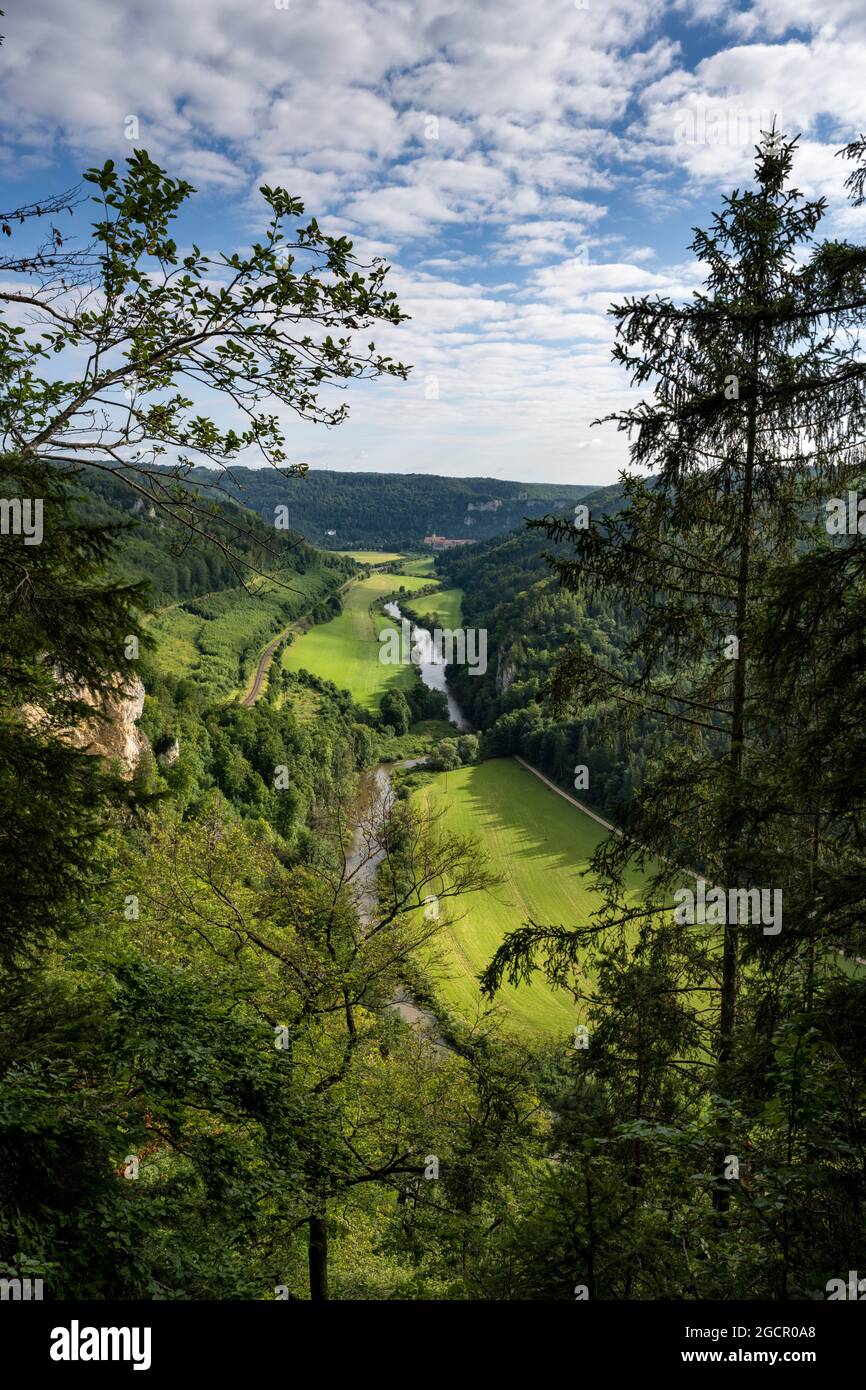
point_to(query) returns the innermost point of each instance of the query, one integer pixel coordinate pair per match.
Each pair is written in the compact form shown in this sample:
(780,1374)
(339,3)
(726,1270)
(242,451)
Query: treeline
(201,746)
(392,510)
(531,622)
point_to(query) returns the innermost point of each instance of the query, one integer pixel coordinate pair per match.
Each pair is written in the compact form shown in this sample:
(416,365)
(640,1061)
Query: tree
(316,954)
(66,630)
(278,323)
(395,711)
(148,323)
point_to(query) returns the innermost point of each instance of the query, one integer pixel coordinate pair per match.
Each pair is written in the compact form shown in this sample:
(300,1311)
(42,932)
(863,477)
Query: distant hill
(392,510)
(180,565)
(508,566)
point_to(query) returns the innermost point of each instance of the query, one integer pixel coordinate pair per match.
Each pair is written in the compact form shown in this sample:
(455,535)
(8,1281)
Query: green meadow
(538,844)
(396,562)
(346,649)
(423,564)
(216,639)
(372,557)
(442,609)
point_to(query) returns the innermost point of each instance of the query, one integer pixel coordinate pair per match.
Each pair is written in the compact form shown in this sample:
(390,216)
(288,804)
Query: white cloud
(468,143)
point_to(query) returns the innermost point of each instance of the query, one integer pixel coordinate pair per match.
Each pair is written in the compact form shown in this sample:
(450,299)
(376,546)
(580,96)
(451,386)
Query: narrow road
(262,669)
(267,655)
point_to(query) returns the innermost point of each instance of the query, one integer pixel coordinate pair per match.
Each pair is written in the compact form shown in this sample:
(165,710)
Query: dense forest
(531,621)
(182,564)
(388,510)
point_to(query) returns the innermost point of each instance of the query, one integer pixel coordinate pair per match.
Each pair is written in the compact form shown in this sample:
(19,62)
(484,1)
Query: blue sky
(521,163)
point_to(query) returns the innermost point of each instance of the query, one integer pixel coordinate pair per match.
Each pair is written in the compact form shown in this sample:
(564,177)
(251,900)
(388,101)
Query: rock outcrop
(113,732)
(506,670)
(169,756)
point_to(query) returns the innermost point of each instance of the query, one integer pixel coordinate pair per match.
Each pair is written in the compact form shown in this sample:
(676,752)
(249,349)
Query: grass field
(215,639)
(441,609)
(371,557)
(538,844)
(346,650)
(424,564)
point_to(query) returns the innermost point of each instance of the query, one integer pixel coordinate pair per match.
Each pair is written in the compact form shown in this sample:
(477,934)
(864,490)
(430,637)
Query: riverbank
(430,664)
(375,799)
(346,649)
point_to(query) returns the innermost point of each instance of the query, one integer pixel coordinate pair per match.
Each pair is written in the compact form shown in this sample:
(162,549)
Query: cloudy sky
(521,163)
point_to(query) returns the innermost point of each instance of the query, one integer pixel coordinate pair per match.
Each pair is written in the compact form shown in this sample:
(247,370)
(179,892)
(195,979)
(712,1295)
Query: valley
(346,649)
(308,785)
(417,886)
(537,843)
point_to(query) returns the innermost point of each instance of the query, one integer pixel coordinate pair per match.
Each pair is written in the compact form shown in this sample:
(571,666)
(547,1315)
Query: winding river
(431,666)
(375,796)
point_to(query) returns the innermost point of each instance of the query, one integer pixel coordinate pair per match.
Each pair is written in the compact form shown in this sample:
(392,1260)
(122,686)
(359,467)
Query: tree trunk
(318,1258)
(730,948)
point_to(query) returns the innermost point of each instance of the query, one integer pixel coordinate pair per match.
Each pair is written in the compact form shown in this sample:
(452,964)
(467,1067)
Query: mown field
(442,609)
(423,564)
(538,844)
(371,557)
(216,639)
(346,649)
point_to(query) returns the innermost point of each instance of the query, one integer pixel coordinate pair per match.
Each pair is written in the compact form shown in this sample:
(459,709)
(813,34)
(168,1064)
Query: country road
(262,669)
(267,655)
(566,795)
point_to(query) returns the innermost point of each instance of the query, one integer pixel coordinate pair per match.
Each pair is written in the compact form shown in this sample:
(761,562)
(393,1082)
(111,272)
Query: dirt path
(267,655)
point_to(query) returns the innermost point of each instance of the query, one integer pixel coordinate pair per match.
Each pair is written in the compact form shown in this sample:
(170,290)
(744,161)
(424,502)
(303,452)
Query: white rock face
(113,732)
(169,757)
(114,735)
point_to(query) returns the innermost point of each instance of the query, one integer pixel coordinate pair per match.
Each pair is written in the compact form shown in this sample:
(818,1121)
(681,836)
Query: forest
(532,622)
(344,510)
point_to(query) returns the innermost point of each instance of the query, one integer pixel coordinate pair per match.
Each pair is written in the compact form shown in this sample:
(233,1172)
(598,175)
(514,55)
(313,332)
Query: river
(431,666)
(375,798)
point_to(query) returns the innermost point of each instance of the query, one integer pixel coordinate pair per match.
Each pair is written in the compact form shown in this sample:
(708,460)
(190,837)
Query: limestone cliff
(506,670)
(113,732)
